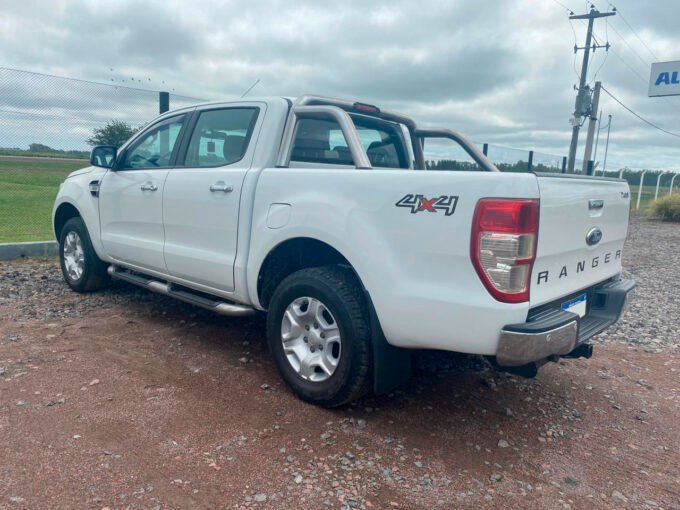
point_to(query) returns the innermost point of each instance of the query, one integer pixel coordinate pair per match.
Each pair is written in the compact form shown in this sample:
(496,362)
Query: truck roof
(310,100)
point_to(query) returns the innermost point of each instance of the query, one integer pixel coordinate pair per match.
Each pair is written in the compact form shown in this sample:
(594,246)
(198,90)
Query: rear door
(131,197)
(583,225)
(202,195)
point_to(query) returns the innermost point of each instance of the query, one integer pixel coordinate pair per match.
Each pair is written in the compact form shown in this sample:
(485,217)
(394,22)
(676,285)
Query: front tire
(319,335)
(83,271)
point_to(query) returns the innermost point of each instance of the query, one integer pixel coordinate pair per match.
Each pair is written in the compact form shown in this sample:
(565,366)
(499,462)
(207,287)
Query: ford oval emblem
(593,236)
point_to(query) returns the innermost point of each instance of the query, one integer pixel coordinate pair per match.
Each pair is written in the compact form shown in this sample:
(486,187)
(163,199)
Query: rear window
(322,141)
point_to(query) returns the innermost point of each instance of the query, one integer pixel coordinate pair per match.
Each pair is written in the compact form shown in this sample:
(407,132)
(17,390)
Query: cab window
(322,141)
(155,147)
(220,137)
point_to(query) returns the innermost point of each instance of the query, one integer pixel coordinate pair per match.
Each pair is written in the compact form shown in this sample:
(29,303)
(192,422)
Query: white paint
(642,180)
(132,219)
(278,216)
(416,267)
(564,223)
(201,226)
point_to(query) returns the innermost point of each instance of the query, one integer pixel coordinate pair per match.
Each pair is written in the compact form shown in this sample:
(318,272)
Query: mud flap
(391,365)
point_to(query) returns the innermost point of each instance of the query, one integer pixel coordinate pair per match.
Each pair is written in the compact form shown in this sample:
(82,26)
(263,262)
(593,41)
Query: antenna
(251,87)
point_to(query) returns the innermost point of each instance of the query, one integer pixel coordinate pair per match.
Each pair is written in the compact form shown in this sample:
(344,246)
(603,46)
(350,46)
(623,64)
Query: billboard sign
(665,79)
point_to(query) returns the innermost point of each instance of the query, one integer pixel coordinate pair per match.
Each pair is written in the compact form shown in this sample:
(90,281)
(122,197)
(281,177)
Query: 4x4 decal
(418,203)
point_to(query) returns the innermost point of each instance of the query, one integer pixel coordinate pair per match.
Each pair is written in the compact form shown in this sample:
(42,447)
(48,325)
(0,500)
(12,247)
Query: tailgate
(575,210)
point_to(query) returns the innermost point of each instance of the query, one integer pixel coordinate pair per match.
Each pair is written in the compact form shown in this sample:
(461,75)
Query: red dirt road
(146,403)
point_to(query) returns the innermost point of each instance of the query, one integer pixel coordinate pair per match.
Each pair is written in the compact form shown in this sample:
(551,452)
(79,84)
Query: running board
(181,293)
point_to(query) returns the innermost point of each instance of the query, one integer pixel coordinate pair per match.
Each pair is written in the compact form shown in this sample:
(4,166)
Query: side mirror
(103,156)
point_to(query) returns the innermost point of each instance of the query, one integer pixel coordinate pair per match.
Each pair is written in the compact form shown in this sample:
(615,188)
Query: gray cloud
(502,71)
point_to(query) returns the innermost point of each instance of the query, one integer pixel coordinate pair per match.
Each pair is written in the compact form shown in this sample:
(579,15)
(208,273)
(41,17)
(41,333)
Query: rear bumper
(551,331)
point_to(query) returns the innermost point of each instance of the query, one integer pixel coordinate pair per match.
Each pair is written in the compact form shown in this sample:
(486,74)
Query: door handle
(149,186)
(220,186)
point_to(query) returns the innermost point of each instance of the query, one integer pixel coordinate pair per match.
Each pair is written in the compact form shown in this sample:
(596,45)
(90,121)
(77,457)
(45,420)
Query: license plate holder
(577,305)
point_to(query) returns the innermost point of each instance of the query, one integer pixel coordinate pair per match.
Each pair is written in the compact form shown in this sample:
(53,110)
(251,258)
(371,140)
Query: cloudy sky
(501,71)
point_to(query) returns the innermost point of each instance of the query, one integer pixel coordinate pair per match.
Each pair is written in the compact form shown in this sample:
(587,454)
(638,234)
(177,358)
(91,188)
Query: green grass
(647,195)
(28,188)
(47,154)
(27,192)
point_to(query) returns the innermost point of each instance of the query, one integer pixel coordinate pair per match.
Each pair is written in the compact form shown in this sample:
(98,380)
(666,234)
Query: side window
(320,141)
(154,149)
(220,137)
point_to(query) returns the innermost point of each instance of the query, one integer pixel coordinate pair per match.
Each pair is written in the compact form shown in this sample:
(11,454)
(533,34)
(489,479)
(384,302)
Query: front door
(203,193)
(131,197)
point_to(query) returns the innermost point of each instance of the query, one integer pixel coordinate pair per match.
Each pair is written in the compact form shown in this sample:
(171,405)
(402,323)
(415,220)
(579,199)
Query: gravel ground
(126,399)
(653,317)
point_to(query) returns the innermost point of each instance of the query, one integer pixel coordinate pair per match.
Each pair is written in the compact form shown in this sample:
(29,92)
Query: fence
(45,122)
(645,184)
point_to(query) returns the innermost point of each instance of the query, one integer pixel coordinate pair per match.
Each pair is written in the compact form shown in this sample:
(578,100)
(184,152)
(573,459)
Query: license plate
(576,305)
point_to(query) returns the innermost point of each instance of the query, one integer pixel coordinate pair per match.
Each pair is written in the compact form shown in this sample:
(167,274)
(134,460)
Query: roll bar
(462,140)
(322,112)
(325,107)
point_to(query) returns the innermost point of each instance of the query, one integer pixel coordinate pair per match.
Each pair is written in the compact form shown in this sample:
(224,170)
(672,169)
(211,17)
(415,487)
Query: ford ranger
(321,212)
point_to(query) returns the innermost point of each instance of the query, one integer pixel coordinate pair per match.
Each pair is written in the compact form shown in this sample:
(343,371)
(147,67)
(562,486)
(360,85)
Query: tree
(39,147)
(115,132)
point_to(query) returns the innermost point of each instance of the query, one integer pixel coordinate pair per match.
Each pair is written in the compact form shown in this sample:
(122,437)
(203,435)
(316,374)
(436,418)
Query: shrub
(668,207)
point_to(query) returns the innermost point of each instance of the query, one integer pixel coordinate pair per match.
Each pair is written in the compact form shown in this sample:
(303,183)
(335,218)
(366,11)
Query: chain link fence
(46,121)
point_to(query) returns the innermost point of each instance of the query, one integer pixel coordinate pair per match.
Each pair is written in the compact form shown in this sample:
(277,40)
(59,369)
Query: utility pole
(606,145)
(581,107)
(591,126)
(597,137)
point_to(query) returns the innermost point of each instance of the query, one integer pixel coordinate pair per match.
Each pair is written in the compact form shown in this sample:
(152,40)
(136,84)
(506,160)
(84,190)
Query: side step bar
(181,293)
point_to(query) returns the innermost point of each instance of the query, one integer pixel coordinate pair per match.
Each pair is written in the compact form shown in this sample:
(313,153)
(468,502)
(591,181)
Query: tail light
(503,246)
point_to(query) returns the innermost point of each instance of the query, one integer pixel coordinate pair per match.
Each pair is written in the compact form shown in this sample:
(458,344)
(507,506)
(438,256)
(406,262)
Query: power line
(595,36)
(640,116)
(563,6)
(631,68)
(606,54)
(629,46)
(624,62)
(640,77)
(633,30)
(79,80)
(571,24)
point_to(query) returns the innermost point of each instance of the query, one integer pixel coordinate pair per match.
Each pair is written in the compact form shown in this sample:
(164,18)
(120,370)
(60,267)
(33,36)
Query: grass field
(648,194)
(28,187)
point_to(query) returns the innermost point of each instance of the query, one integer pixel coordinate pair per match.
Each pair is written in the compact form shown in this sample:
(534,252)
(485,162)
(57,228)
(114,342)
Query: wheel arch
(64,212)
(391,366)
(292,255)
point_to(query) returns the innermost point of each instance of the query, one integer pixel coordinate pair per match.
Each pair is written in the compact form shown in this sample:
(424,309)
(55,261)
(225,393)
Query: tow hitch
(530,370)
(582,351)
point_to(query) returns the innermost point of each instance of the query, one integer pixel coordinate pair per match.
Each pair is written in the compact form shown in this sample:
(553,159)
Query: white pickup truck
(322,213)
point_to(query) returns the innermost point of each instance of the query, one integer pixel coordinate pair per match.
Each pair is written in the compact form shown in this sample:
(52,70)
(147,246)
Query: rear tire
(319,335)
(83,271)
